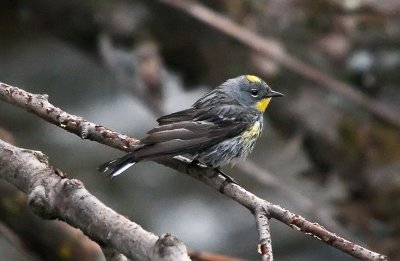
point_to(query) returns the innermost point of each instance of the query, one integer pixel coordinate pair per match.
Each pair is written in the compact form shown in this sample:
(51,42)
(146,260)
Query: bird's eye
(254,93)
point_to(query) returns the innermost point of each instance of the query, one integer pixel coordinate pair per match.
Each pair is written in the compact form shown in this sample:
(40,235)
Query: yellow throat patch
(263,104)
(253,78)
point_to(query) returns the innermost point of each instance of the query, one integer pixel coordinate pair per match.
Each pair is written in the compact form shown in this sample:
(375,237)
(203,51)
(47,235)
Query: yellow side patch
(263,104)
(253,132)
(253,78)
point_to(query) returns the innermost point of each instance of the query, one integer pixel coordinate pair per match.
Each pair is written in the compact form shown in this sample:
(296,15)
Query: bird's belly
(230,150)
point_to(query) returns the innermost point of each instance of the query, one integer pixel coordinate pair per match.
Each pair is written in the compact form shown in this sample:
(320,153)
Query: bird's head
(250,91)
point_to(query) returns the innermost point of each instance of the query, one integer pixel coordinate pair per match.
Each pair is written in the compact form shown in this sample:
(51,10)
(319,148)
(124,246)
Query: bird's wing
(208,106)
(189,136)
(184,115)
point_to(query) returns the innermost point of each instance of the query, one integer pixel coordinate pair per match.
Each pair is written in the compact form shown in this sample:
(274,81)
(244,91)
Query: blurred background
(123,63)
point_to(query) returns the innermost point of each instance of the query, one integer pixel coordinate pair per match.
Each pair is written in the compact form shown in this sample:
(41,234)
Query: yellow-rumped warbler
(220,127)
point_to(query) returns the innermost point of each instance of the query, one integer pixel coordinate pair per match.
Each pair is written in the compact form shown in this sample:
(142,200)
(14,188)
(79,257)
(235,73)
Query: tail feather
(115,167)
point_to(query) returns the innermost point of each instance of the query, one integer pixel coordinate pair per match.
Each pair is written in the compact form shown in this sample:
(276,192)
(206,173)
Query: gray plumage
(219,128)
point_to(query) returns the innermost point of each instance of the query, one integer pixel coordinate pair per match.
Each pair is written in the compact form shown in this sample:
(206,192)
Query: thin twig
(270,48)
(265,246)
(38,105)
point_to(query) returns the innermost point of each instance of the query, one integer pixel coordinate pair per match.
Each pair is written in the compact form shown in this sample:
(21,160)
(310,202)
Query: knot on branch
(70,185)
(168,245)
(39,156)
(43,96)
(262,209)
(38,201)
(85,129)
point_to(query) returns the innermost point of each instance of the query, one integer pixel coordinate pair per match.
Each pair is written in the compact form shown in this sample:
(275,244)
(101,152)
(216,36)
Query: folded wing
(188,131)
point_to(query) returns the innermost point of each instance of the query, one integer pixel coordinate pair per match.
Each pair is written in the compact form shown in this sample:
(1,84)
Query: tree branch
(53,196)
(270,48)
(265,247)
(39,105)
(33,231)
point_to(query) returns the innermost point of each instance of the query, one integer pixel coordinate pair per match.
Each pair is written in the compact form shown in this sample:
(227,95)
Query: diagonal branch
(270,48)
(39,105)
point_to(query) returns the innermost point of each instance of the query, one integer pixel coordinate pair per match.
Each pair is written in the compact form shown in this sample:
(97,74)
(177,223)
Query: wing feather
(191,131)
(184,115)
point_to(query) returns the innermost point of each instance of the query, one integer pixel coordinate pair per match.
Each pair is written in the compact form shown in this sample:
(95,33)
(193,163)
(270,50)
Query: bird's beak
(274,94)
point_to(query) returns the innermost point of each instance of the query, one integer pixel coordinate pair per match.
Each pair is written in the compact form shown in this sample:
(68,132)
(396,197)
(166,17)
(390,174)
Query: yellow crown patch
(253,78)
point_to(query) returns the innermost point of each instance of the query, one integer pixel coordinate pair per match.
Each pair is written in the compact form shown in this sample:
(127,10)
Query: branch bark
(53,196)
(265,247)
(33,232)
(39,105)
(269,48)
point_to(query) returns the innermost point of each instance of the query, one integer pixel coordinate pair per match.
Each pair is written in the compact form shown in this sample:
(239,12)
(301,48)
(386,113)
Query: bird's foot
(193,163)
(228,179)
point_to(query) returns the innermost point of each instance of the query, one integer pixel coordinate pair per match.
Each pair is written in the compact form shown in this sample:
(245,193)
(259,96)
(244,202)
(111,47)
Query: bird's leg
(226,176)
(193,163)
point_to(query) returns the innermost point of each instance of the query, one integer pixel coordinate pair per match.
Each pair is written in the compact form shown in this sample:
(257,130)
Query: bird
(217,130)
